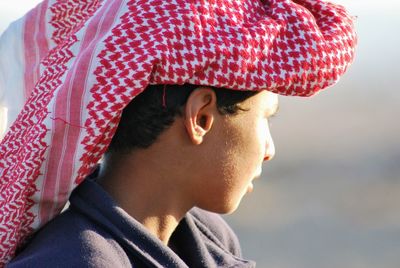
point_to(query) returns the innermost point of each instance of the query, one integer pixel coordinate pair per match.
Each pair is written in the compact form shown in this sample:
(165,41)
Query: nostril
(270,151)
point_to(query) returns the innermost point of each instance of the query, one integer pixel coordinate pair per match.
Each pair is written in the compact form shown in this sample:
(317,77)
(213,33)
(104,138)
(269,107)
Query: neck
(150,195)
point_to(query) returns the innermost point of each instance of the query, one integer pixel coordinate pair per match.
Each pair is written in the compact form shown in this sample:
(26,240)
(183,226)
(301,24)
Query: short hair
(156,108)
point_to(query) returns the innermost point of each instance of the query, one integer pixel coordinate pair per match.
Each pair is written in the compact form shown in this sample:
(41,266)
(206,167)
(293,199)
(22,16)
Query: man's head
(215,140)
(154,110)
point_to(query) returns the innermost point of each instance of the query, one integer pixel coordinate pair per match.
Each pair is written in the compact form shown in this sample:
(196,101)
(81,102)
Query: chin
(226,211)
(226,207)
(226,202)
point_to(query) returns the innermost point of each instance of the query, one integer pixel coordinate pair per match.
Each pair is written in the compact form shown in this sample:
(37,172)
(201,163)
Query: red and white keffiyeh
(69,67)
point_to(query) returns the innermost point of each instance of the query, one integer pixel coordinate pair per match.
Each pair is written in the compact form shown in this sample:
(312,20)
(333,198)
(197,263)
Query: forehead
(265,101)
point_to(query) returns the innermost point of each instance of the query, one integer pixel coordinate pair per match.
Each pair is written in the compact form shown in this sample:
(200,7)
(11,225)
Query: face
(239,145)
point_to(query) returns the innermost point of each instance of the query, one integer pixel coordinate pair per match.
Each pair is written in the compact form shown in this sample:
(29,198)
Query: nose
(270,149)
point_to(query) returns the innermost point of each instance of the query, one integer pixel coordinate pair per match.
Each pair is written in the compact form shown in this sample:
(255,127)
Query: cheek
(245,153)
(232,165)
(255,145)
(253,150)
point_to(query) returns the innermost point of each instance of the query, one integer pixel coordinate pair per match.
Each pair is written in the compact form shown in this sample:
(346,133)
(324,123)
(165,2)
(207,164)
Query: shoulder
(217,229)
(71,240)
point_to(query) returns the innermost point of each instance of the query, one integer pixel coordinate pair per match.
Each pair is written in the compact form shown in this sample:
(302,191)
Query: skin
(204,159)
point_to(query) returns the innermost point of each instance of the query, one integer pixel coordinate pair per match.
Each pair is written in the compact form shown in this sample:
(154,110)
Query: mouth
(250,187)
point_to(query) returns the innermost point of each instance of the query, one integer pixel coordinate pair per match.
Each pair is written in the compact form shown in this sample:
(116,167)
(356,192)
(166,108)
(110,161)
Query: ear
(200,110)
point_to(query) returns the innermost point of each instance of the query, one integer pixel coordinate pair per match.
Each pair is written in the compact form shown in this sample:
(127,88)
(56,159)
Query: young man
(203,149)
(196,83)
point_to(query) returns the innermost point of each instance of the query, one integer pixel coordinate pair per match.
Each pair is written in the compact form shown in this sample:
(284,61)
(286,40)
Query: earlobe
(199,114)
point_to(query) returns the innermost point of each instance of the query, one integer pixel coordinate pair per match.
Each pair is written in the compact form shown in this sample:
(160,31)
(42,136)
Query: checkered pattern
(104,53)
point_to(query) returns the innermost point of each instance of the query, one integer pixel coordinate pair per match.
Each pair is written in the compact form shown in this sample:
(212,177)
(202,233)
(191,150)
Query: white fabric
(11,75)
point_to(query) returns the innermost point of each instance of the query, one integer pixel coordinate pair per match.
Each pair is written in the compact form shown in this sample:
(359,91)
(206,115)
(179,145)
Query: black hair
(156,108)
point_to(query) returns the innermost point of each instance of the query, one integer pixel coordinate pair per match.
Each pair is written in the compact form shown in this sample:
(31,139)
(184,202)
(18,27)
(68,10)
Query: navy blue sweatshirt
(95,232)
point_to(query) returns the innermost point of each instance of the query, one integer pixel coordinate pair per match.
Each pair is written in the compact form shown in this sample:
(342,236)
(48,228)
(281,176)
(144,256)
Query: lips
(250,187)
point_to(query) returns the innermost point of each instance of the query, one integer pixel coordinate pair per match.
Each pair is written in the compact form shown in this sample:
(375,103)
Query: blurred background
(331,196)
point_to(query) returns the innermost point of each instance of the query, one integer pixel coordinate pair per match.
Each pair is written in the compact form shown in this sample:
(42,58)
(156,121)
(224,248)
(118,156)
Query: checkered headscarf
(69,67)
